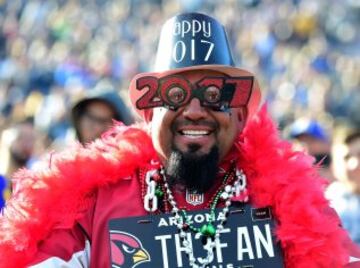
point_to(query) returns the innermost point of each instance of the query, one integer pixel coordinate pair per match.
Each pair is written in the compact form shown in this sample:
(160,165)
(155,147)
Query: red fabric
(55,198)
(118,200)
(61,242)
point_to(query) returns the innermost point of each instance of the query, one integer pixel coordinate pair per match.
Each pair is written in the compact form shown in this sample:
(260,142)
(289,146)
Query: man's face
(96,119)
(193,128)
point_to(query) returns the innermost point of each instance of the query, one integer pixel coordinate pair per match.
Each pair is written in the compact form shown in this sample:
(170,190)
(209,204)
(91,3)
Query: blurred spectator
(93,114)
(311,137)
(17,147)
(345,194)
(20,146)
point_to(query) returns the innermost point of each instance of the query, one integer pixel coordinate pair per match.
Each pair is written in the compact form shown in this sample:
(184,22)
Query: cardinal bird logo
(127,250)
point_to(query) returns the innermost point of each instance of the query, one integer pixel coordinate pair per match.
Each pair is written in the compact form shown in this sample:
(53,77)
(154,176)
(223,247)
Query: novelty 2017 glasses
(174,91)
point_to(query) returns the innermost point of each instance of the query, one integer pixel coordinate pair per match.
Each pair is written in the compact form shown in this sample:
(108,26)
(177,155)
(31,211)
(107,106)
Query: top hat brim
(251,106)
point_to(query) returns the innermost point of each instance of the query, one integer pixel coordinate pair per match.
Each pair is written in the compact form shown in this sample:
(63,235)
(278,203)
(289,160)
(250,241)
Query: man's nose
(194,111)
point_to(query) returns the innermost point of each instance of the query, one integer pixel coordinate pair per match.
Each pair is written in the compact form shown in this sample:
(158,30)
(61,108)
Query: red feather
(287,181)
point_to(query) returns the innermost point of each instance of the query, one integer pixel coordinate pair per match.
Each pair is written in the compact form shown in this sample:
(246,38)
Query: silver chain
(150,199)
(229,192)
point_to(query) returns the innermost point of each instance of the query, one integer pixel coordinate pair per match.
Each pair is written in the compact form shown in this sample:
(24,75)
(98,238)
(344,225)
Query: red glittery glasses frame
(218,93)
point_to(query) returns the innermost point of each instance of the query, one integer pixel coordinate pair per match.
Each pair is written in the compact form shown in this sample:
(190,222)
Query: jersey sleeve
(64,248)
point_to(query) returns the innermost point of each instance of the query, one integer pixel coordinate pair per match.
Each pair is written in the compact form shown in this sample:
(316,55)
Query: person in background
(20,146)
(345,194)
(309,135)
(94,114)
(17,147)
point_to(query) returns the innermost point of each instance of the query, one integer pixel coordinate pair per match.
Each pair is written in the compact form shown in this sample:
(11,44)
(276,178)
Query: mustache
(185,122)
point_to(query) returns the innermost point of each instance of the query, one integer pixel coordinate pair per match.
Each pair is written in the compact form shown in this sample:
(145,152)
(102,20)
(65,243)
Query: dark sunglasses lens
(176,95)
(212,94)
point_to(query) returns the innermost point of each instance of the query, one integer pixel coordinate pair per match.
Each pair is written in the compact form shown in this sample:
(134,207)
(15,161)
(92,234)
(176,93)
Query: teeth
(195,132)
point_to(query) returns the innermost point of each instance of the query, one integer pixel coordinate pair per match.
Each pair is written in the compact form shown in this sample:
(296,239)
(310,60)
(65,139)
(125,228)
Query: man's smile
(202,137)
(194,133)
(190,132)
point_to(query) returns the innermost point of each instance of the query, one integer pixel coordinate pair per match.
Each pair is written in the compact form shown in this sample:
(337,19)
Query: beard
(195,172)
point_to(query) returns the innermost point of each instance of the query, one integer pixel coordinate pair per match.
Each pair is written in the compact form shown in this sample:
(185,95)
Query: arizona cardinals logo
(126,250)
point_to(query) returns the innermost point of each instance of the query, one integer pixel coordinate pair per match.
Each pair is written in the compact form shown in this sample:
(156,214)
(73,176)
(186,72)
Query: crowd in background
(305,53)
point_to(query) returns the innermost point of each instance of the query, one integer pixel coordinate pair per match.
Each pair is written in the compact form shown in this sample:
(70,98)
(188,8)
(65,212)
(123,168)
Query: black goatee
(195,172)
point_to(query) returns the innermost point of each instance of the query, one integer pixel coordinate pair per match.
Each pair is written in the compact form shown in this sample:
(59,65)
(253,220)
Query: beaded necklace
(209,233)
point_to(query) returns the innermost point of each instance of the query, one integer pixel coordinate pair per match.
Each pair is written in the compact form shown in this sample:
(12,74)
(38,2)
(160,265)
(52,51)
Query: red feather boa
(278,177)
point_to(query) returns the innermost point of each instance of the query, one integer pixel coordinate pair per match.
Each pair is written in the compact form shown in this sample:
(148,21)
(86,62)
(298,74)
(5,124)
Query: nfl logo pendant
(194,198)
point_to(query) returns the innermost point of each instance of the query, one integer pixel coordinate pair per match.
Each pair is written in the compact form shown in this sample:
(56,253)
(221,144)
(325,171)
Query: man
(193,187)
(19,146)
(345,193)
(93,114)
